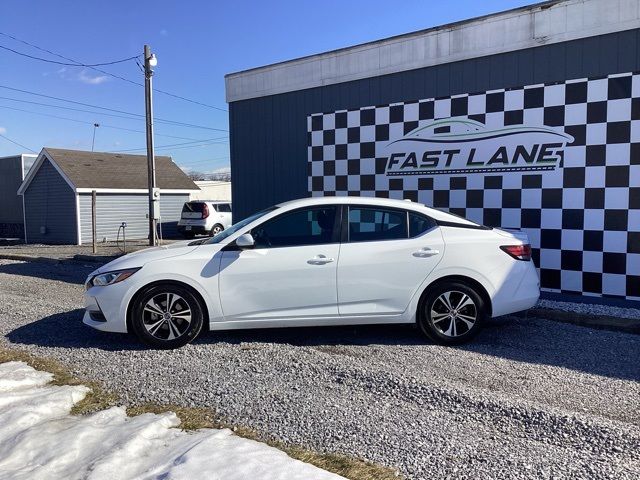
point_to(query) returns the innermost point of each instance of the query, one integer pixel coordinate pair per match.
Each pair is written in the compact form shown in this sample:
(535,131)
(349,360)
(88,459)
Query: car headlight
(109,278)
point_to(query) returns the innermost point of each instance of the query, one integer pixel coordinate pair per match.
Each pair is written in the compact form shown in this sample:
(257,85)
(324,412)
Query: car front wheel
(451,313)
(167,316)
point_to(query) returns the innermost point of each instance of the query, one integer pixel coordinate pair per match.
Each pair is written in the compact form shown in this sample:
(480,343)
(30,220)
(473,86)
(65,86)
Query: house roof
(97,170)
(117,170)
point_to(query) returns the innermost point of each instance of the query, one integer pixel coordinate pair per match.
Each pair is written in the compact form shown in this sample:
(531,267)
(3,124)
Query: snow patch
(39,439)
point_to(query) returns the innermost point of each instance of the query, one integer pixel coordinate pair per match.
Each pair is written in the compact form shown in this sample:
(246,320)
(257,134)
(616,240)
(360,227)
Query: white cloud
(3,130)
(221,170)
(84,77)
(164,32)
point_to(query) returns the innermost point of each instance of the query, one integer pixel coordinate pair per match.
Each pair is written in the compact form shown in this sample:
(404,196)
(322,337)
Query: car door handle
(425,252)
(319,260)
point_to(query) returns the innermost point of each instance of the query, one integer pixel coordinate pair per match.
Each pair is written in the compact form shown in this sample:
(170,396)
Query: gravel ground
(65,252)
(529,398)
(591,309)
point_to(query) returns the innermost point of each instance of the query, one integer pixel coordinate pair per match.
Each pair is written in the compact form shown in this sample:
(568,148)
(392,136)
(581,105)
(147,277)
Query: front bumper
(103,308)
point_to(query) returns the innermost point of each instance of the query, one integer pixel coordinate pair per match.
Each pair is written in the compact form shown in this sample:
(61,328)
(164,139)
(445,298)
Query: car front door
(291,271)
(387,253)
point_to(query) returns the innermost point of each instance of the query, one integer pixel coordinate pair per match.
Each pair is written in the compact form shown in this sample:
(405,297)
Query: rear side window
(309,226)
(370,224)
(223,207)
(418,224)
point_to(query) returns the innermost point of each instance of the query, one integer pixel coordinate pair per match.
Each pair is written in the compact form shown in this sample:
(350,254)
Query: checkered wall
(583,218)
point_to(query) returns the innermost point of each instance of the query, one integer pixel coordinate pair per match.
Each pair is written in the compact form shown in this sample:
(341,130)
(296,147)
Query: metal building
(58,190)
(12,173)
(525,119)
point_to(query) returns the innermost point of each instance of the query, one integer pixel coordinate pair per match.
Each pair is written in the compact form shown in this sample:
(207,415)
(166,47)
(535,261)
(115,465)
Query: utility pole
(150,61)
(95,125)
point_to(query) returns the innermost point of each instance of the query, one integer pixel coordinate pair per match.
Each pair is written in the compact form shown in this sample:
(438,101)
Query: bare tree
(195,176)
(220,176)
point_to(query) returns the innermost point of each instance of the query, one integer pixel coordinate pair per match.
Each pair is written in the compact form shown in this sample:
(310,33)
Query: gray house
(12,172)
(57,195)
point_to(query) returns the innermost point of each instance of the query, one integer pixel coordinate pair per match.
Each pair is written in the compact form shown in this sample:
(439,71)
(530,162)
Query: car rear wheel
(217,228)
(167,316)
(451,313)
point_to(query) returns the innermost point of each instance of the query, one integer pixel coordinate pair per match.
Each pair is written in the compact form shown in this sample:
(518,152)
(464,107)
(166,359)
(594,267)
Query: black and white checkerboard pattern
(583,219)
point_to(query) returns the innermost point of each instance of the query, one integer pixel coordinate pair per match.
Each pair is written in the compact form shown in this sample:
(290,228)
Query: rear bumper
(196,229)
(519,291)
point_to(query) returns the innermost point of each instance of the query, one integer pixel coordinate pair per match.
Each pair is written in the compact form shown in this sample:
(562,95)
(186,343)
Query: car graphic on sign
(462,145)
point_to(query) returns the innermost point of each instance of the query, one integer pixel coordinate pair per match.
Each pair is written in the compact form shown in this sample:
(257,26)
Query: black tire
(149,320)
(455,323)
(216,229)
(188,235)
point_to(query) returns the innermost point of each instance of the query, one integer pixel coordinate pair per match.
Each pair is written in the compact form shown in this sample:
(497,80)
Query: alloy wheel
(166,316)
(453,313)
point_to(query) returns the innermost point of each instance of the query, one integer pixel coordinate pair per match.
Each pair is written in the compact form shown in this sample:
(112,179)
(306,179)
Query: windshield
(233,228)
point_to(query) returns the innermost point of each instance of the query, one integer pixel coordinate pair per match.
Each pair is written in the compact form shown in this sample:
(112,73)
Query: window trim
(336,234)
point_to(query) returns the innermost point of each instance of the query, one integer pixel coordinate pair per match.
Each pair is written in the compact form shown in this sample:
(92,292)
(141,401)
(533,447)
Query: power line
(16,143)
(67,64)
(139,116)
(112,74)
(102,125)
(184,144)
(66,108)
(199,162)
(191,146)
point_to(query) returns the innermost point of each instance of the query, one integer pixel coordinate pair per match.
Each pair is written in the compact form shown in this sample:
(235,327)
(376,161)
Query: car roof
(376,201)
(217,202)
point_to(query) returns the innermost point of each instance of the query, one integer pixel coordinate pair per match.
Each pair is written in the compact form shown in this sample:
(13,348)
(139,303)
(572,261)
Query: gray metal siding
(114,208)
(269,134)
(50,203)
(11,219)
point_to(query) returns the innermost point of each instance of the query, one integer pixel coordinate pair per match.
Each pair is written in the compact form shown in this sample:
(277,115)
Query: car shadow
(527,339)
(68,271)
(66,330)
(523,339)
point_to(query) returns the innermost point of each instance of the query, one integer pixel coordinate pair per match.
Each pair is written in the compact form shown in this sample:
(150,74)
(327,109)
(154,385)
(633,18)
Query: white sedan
(320,261)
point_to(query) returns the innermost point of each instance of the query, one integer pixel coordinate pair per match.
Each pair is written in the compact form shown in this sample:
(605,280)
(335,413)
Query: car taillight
(205,210)
(519,252)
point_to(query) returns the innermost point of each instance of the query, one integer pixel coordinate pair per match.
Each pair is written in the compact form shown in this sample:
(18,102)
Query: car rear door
(291,271)
(385,256)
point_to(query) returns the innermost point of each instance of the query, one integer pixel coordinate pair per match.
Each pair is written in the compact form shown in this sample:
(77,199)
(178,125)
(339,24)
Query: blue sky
(197,43)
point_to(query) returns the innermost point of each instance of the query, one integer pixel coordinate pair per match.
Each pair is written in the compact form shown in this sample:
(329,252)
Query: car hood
(142,257)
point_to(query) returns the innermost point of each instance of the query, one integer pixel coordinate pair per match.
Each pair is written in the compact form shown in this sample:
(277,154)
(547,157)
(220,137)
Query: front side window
(370,224)
(309,226)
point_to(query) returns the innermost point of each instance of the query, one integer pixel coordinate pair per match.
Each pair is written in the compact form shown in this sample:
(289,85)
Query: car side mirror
(245,241)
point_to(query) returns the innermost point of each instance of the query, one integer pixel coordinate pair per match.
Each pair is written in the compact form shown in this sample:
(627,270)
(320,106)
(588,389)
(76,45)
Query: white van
(205,217)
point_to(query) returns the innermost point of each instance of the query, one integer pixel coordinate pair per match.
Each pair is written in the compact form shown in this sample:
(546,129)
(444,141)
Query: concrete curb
(79,259)
(601,322)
